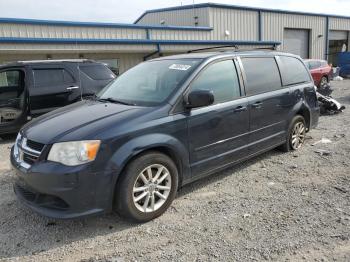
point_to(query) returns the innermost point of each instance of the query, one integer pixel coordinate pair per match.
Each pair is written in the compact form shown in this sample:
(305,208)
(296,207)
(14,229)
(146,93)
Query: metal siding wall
(17,57)
(179,35)
(72,48)
(54,31)
(274,24)
(126,61)
(339,24)
(242,24)
(177,17)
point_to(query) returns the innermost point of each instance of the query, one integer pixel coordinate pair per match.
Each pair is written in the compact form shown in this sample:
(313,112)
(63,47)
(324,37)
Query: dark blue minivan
(162,124)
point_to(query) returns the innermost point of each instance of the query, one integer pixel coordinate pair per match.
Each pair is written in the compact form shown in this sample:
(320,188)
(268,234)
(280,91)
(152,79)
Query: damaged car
(162,124)
(29,89)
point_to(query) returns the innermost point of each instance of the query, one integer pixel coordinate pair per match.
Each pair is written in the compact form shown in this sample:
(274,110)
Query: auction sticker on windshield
(179,67)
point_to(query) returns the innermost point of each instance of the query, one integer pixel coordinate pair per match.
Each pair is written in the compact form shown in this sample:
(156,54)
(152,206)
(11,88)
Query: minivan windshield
(149,83)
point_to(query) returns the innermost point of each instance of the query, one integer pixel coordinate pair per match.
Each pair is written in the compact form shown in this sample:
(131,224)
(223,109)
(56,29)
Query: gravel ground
(279,206)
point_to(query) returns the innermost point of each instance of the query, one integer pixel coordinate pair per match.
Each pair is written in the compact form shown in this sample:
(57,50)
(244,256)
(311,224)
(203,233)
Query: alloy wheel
(324,82)
(152,188)
(298,135)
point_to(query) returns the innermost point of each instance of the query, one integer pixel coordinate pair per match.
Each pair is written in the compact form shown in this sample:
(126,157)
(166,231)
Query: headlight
(74,153)
(15,148)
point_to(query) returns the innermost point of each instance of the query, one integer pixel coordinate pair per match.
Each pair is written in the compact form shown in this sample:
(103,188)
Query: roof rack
(235,48)
(210,48)
(55,61)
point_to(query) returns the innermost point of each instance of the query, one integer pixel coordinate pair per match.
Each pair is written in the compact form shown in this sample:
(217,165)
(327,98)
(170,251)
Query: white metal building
(175,30)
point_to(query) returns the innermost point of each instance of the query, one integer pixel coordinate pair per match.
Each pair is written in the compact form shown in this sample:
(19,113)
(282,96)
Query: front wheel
(147,187)
(296,134)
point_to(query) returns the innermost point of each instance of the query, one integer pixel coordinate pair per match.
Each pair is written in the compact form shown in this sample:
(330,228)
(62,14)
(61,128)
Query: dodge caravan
(162,124)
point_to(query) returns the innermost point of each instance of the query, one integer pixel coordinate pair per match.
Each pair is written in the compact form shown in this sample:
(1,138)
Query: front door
(52,87)
(218,134)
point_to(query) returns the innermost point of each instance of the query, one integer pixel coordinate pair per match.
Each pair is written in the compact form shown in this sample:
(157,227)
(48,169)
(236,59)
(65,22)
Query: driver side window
(222,79)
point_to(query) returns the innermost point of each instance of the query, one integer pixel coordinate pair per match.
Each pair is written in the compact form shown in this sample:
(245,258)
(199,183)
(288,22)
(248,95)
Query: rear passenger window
(262,75)
(97,72)
(48,77)
(221,78)
(293,71)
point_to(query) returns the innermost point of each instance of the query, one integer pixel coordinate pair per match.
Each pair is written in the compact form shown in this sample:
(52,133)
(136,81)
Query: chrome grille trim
(23,150)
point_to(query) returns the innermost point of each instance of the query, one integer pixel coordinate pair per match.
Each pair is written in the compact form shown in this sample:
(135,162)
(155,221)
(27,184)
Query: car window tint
(293,71)
(97,72)
(262,75)
(48,77)
(222,79)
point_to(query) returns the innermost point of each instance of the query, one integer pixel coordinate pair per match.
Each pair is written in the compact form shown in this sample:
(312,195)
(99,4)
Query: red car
(320,71)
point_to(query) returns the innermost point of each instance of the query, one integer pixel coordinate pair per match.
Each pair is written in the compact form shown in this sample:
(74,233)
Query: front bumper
(63,192)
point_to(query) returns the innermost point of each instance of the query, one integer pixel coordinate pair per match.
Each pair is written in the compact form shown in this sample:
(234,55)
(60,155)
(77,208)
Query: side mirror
(199,98)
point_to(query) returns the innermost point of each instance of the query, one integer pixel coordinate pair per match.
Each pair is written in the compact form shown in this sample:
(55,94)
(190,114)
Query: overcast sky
(127,11)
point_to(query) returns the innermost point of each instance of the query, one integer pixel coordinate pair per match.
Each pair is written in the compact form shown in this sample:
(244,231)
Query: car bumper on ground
(62,192)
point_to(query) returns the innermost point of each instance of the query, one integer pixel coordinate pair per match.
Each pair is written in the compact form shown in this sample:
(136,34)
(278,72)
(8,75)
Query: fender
(147,142)
(303,107)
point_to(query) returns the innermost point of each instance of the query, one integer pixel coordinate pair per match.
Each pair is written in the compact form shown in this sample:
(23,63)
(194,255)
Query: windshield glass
(149,83)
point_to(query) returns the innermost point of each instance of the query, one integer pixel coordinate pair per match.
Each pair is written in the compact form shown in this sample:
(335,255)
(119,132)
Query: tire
(323,82)
(132,205)
(297,123)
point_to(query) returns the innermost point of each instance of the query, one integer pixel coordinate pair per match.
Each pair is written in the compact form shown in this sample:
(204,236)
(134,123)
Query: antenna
(80,86)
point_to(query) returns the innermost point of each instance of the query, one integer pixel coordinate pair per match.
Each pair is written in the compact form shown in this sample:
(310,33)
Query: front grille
(30,151)
(35,145)
(44,200)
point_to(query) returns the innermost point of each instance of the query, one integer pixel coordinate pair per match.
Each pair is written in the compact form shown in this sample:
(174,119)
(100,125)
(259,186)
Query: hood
(57,124)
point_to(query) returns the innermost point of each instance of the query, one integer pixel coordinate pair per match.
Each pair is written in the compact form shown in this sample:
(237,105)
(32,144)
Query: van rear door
(53,86)
(269,103)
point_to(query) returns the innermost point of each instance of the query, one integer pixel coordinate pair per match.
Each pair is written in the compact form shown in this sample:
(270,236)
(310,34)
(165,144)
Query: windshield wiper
(112,100)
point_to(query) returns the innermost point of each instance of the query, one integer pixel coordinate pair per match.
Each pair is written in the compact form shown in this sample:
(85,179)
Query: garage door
(338,35)
(296,41)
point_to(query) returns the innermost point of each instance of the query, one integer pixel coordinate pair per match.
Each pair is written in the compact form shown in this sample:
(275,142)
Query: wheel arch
(306,114)
(164,144)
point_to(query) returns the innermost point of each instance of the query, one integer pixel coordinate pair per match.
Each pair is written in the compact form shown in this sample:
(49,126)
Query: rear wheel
(147,187)
(296,134)
(323,82)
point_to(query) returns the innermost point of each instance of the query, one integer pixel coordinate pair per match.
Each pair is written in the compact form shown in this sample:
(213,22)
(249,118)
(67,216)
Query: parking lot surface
(278,206)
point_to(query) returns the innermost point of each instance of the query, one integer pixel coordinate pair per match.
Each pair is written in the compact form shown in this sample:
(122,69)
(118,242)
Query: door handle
(72,87)
(257,104)
(240,109)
